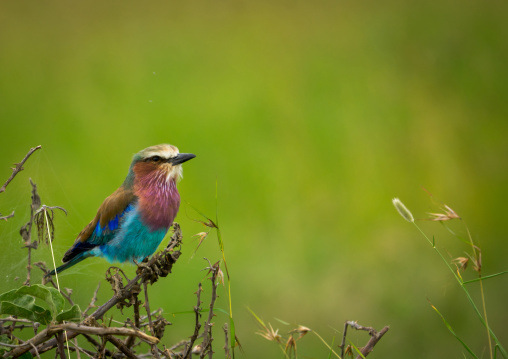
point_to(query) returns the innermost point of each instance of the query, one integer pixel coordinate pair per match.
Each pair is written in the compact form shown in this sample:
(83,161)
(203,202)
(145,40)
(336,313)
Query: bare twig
(60,343)
(26,230)
(206,346)
(82,329)
(76,346)
(197,326)
(155,351)
(129,342)
(375,336)
(36,351)
(101,353)
(226,341)
(122,347)
(79,350)
(72,331)
(373,341)
(343,344)
(95,343)
(17,320)
(18,168)
(92,302)
(7,217)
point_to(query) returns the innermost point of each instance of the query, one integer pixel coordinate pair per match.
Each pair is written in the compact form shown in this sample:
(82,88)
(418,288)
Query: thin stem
(56,275)
(471,301)
(478,259)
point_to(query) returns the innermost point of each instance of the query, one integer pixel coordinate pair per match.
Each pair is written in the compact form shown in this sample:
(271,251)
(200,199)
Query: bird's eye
(155,159)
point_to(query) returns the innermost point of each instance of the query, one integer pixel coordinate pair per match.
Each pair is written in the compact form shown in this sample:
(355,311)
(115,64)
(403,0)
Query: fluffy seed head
(403,211)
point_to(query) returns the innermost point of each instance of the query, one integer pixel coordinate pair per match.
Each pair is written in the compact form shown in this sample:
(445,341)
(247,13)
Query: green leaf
(31,312)
(21,302)
(326,344)
(331,346)
(71,315)
(260,321)
(9,296)
(4,338)
(232,339)
(22,305)
(50,295)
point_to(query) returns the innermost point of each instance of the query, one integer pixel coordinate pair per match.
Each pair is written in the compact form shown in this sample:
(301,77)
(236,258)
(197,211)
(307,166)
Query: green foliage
(4,338)
(21,303)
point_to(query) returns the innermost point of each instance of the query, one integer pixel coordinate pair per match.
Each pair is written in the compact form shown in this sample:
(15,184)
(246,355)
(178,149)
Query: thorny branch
(58,335)
(126,295)
(226,340)
(158,266)
(155,351)
(197,327)
(206,347)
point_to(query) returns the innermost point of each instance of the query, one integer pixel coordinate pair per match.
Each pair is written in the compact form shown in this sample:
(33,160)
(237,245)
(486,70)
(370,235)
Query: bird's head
(160,161)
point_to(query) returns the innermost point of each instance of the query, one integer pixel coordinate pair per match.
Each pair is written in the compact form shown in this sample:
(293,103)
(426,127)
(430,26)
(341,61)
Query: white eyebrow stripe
(162,153)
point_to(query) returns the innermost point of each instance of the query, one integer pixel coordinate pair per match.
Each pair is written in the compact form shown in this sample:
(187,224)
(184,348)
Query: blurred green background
(310,116)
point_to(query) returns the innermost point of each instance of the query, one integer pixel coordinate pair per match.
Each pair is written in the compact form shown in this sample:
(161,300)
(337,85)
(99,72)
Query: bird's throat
(158,199)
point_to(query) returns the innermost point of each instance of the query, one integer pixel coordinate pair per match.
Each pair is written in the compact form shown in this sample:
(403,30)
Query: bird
(131,223)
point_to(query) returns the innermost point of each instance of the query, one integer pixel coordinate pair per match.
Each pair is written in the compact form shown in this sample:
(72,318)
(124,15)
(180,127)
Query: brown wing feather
(112,206)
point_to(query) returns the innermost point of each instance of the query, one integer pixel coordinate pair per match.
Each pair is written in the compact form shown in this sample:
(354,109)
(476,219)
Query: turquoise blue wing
(106,223)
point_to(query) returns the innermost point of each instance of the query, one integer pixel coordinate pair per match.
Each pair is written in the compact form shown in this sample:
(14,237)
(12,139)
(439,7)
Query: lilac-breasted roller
(131,223)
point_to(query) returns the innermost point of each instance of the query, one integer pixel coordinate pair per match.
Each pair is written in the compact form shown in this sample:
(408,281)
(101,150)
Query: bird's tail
(70,263)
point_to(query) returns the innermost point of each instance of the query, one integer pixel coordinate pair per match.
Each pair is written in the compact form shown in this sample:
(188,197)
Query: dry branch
(206,346)
(375,336)
(18,167)
(7,217)
(197,326)
(82,329)
(158,266)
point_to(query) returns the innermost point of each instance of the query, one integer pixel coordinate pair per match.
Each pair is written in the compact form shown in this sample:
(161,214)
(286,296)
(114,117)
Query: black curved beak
(181,158)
